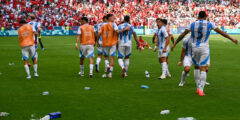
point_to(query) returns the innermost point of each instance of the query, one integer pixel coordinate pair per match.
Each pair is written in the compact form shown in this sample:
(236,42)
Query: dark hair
(32,16)
(109,15)
(158,19)
(104,17)
(164,21)
(85,19)
(22,21)
(126,18)
(202,14)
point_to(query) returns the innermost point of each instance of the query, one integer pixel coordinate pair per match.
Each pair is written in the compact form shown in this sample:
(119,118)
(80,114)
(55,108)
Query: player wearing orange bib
(109,33)
(26,35)
(86,35)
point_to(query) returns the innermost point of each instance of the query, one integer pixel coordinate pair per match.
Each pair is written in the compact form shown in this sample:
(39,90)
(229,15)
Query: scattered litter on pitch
(144,86)
(187,118)
(3,114)
(52,116)
(147,74)
(45,93)
(165,112)
(11,64)
(87,88)
(207,83)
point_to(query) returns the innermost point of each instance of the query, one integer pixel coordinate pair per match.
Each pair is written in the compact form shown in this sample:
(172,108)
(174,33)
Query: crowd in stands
(62,13)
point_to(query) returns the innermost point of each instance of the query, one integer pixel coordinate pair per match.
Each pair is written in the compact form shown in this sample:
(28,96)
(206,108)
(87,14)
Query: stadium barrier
(59,32)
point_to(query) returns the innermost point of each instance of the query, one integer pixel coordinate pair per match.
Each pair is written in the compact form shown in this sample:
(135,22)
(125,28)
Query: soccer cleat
(126,74)
(43,49)
(36,75)
(109,76)
(181,84)
(198,91)
(28,77)
(169,75)
(81,74)
(29,65)
(123,72)
(97,68)
(163,76)
(91,75)
(201,93)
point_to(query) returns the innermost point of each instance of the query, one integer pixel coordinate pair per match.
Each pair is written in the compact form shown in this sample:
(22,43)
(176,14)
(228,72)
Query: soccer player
(162,45)
(109,33)
(100,47)
(27,37)
(86,36)
(125,45)
(200,32)
(143,43)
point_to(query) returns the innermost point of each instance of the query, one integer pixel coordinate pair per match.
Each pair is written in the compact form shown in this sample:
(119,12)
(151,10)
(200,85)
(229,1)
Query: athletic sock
(106,65)
(27,70)
(82,68)
(167,71)
(35,68)
(197,77)
(127,62)
(164,68)
(120,62)
(184,74)
(111,70)
(98,61)
(91,68)
(203,80)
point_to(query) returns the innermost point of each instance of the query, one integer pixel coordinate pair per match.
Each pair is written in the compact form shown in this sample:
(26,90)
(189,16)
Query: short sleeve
(190,26)
(79,30)
(213,25)
(115,27)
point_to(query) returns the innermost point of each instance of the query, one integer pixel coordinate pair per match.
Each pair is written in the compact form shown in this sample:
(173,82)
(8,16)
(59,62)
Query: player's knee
(187,69)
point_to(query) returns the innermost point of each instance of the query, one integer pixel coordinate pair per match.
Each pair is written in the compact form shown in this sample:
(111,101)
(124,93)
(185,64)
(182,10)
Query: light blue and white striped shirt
(187,45)
(161,37)
(125,38)
(200,32)
(35,24)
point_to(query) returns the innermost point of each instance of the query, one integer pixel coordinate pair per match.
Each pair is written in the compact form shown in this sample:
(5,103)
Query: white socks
(203,80)
(35,68)
(164,68)
(27,70)
(120,62)
(127,62)
(167,72)
(91,68)
(82,68)
(111,70)
(98,61)
(184,74)
(106,65)
(197,77)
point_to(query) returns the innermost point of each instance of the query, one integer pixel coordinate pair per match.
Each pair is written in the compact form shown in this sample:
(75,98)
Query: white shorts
(100,50)
(201,56)
(187,61)
(29,51)
(86,51)
(110,51)
(124,51)
(163,54)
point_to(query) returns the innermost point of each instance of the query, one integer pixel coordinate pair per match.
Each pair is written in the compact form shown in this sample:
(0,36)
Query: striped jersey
(161,37)
(125,38)
(187,45)
(200,31)
(35,24)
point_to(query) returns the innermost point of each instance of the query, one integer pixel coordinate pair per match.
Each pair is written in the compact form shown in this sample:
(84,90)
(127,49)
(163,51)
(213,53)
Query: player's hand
(150,48)
(235,41)
(76,45)
(127,28)
(155,49)
(164,50)
(180,63)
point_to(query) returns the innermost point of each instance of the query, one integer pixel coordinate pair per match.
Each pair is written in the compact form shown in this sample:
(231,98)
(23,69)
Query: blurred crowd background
(67,13)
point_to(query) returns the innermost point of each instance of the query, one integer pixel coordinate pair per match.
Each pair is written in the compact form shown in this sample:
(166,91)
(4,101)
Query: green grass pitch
(117,98)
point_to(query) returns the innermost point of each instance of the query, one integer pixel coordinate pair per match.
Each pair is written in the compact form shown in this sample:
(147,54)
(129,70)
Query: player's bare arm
(153,39)
(35,36)
(226,35)
(136,39)
(180,38)
(125,29)
(77,41)
(182,57)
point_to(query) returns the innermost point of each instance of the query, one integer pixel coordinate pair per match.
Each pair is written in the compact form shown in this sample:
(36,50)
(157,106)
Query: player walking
(162,45)
(27,37)
(109,33)
(200,32)
(125,45)
(86,36)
